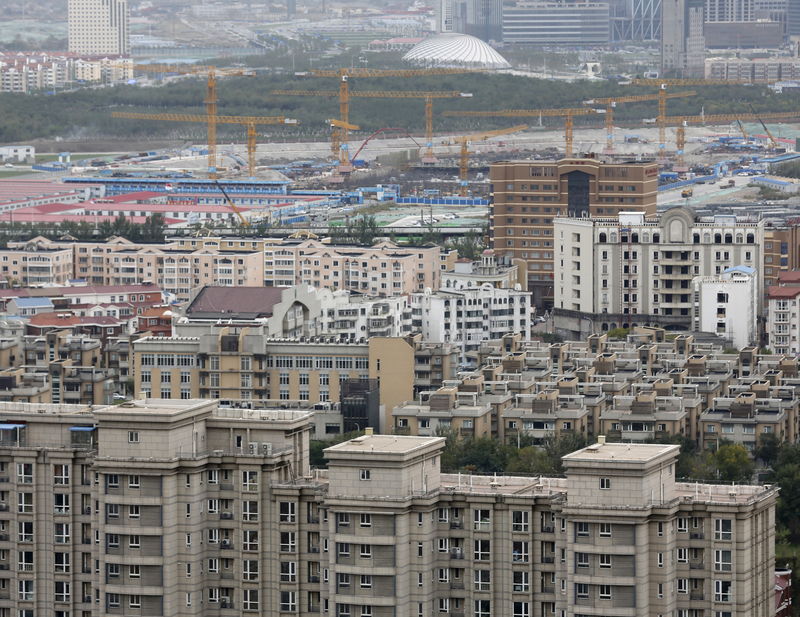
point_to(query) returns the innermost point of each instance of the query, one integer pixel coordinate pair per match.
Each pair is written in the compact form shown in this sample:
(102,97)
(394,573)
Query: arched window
(706,238)
(750,239)
(656,238)
(739,238)
(635,238)
(728,238)
(602,237)
(696,238)
(717,238)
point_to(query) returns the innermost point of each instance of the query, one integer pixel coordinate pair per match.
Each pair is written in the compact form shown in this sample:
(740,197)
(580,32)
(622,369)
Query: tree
(787,475)
(768,448)
(734,463)
(557,447)
(532,460)
(468,246)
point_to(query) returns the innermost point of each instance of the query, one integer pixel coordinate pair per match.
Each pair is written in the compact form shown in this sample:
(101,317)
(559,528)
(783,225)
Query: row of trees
(152,230)
(86,112)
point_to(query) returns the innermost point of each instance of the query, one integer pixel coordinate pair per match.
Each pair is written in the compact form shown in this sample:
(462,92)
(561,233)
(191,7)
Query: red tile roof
(783,291)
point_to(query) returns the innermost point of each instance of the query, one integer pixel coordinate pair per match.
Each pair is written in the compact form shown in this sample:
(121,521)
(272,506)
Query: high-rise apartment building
(161,508)
(682,38)
(99,27)
(627,270)
(527,195)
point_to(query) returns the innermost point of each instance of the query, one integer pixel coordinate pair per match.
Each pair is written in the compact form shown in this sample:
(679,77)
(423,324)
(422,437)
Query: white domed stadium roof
(455,50)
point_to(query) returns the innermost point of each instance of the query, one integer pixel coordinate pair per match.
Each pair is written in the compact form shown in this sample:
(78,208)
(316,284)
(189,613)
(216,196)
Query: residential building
(537,22)
(241,364)
(629,270)
(17,154)
(488,269)
(469,316)
(155,505)
(98,27)
(727,305)
(682,38)
(528,195)
(729,10)
(783,324)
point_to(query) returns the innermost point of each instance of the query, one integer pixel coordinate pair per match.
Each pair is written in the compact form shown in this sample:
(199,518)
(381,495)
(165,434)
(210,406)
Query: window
(363,474)
(605,483)
(133,436)
(605,530)
(288,602)
(250,600)
(722,561)
(112,480)
(288,542)
(135,601)
(366,581)
(250,540)
(61,563)
(581,590)
(112,600)
(134,541)
(61,503)
(521,581)
(482,550)
(249,480)
(213,565)
(288,571)
(287,512)
(582,560)
(722,529)
(366,520)
(133,481)
(519,520)
(483,608)
(683,585)
(134,571)
(343,549)
(722,591)
(683,524)
(682,555)
(133,511)
(25,590)
(604,592)
(24,473)
(444,605)
(521,609)
(25,503)
(61,475)
(519,552)
(483,580)
(481,520)
(62,589)
(250,511)
(660,559)
(582,529)
(25,561)
(112,540)
(62,533)
(250,570)
(604,561)
(113,570)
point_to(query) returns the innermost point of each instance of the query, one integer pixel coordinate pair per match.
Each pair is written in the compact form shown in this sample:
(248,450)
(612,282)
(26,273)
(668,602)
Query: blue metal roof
(743,269)
(33,302)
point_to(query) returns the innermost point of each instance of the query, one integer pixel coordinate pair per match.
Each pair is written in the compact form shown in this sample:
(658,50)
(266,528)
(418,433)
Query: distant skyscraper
(480,18)
(793,17)
(634,20)
(682,37)
(98,27)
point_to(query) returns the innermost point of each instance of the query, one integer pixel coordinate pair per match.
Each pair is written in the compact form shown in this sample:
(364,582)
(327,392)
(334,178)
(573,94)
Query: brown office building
(528,194)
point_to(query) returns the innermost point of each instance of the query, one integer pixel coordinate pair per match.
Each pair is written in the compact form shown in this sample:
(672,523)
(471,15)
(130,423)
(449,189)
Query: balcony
(548,559)
(697,595)
(456,585)
(456,524)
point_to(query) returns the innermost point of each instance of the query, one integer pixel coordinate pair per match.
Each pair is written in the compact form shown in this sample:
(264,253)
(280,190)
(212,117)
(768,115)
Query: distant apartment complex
(755,69)
(159,507)
(99,27)
(537,22)
(182,265)
(528,195)
(30,72)
(632,270)
(683,44)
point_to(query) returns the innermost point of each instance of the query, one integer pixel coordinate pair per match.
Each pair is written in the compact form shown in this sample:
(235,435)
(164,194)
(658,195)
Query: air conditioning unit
(253,447)
(225,544)
(266,449)
(225,604)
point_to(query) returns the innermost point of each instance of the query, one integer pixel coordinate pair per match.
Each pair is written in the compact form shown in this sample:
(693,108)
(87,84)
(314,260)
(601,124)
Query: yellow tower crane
(681,122)
(567,113)
(611,103)
(344,75)
(663,84)
(249,121)
(463,166)
(391,94)
(211,74)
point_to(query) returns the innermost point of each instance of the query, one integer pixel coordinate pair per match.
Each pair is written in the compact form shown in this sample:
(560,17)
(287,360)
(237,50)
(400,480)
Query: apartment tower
(527,195)
(99,27)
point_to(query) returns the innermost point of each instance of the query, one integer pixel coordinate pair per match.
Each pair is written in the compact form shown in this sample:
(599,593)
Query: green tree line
(87,112)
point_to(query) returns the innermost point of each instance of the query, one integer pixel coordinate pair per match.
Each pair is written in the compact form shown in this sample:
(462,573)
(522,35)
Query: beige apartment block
(163,507)
(99,27)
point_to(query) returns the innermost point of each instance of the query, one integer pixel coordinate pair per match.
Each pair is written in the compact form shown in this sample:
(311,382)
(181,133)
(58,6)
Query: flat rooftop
(384,444)
(625,452)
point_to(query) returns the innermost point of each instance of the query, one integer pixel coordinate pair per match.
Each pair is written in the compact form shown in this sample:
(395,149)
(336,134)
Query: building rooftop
(385,444)
(626,452)
(234,302)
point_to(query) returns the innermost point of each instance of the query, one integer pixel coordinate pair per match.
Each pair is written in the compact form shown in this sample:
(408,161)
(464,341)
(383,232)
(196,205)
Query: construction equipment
(232,206)
(567,113)
(345,74)
(611,103)
(392,94)
(742,130)
(686,193)
(341,147)
(773,144)
(663,84)
(681,122)
(249,121)
(463,167)
(211,73)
